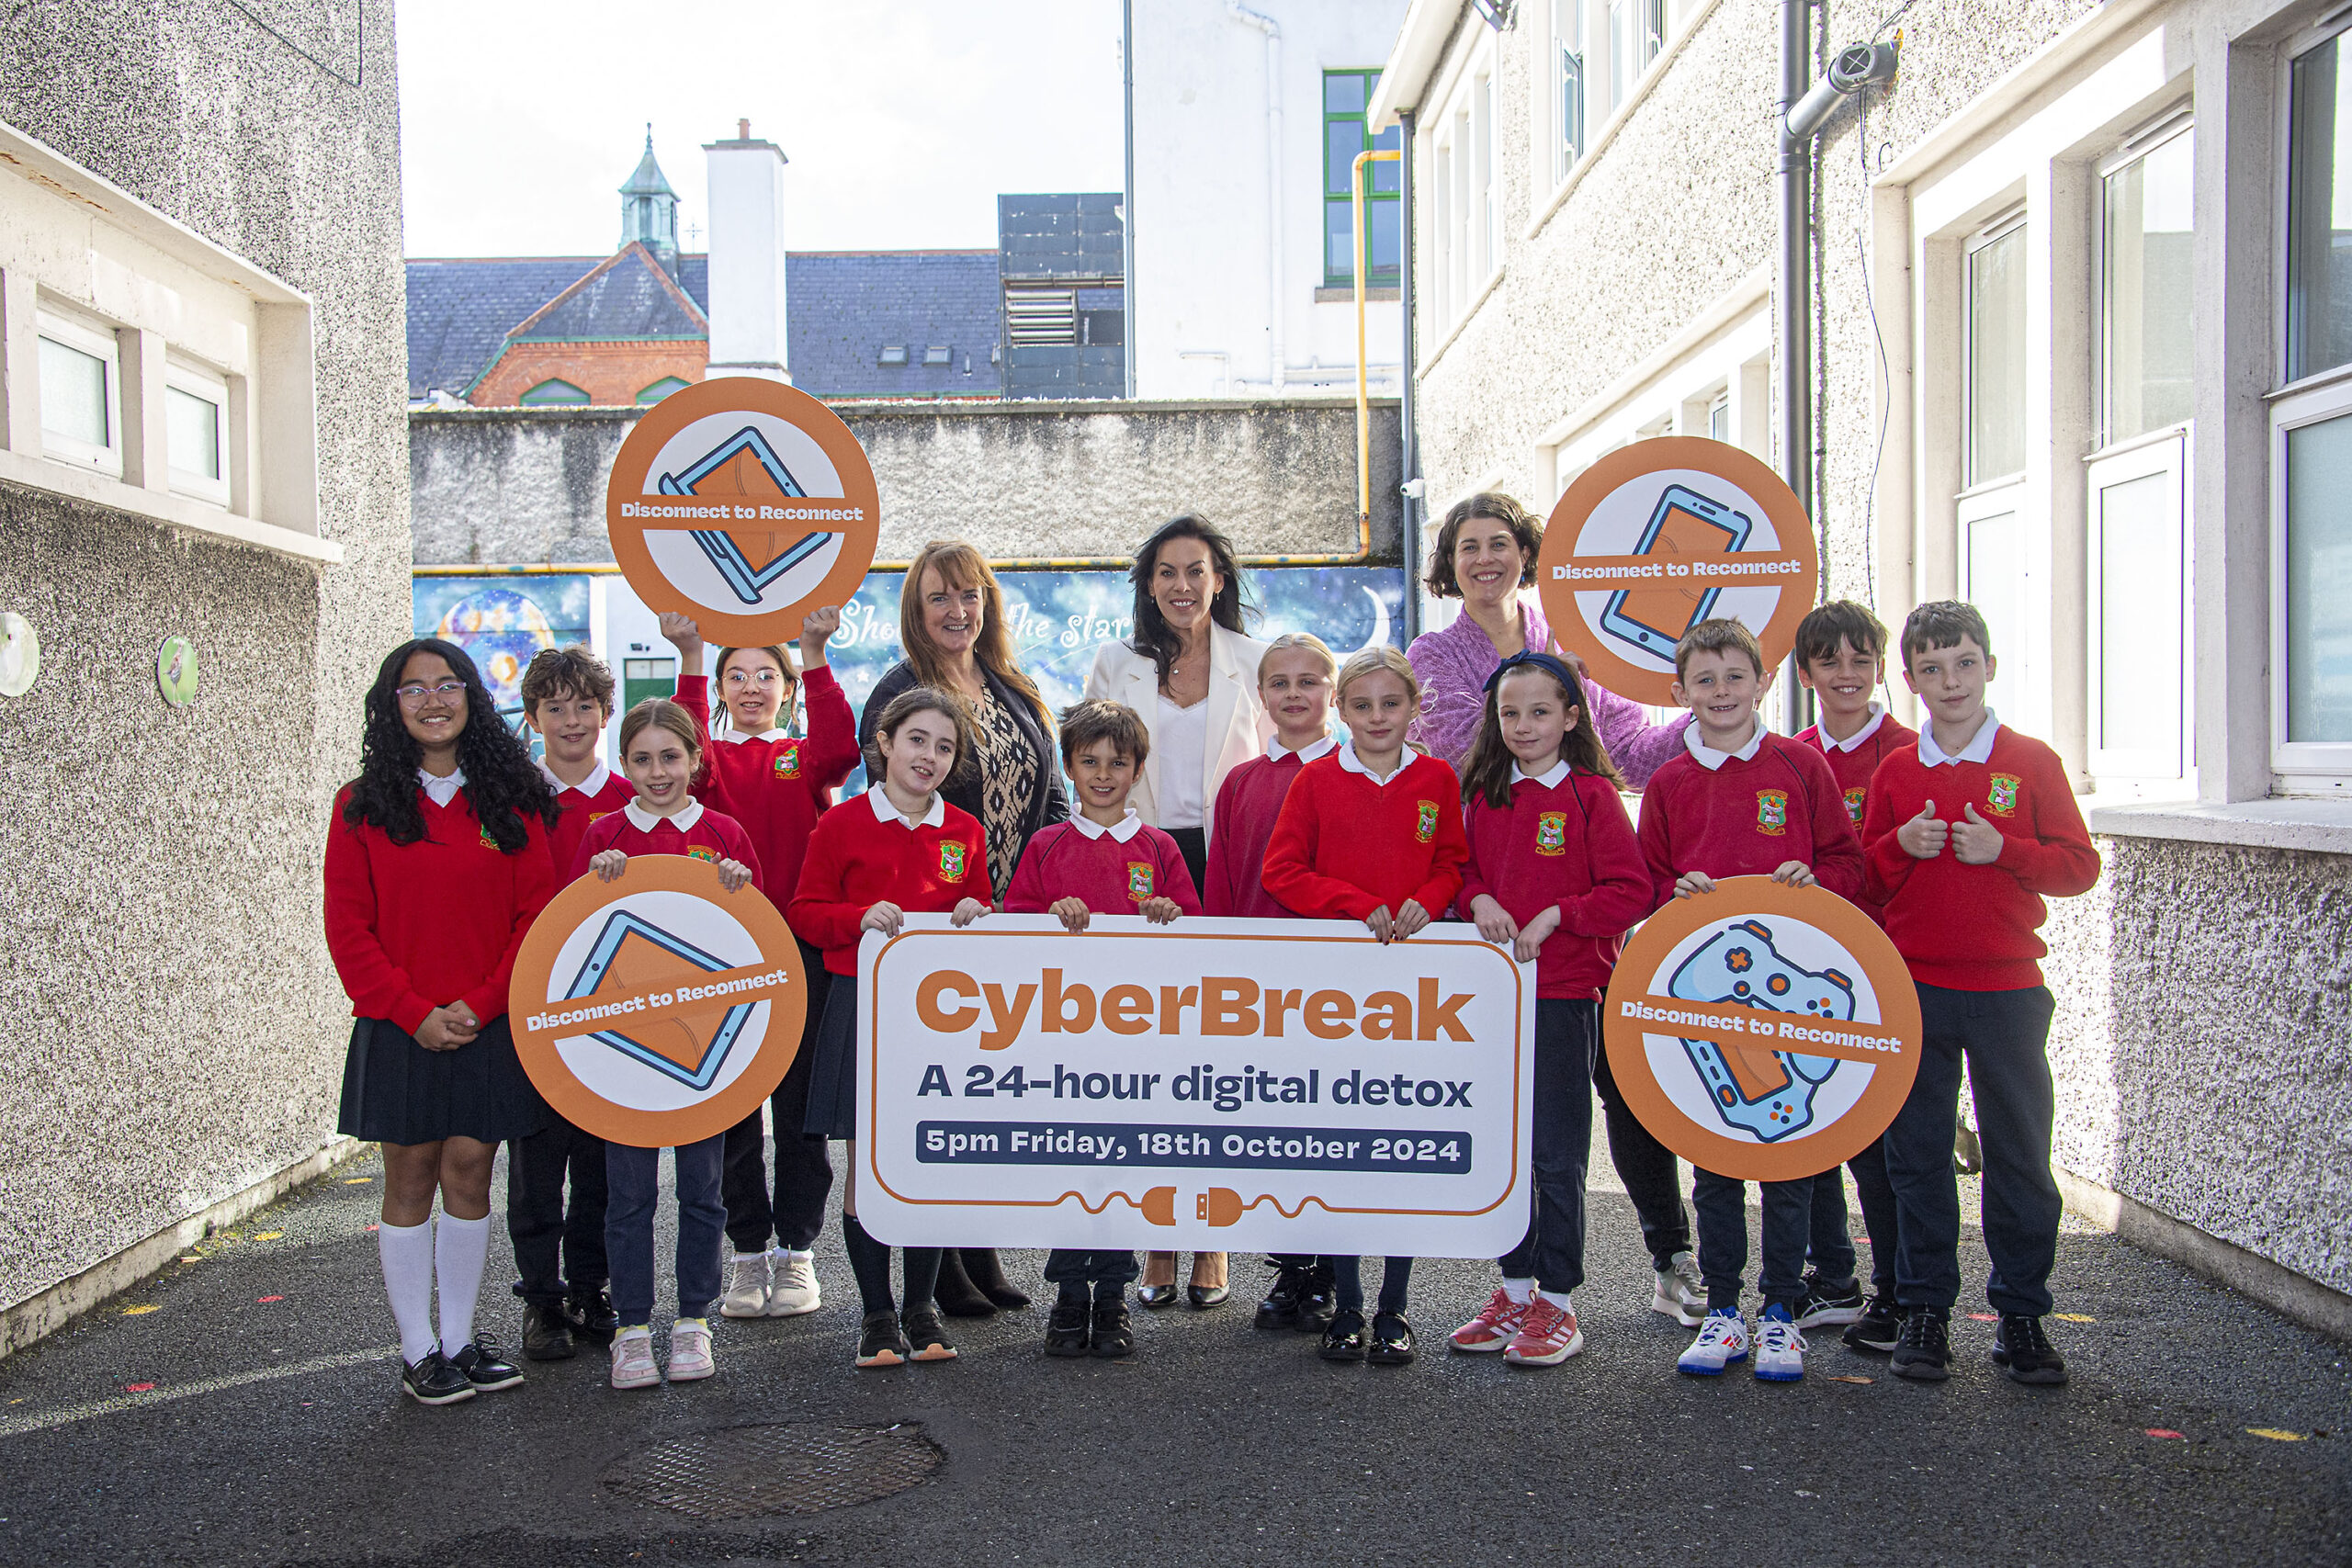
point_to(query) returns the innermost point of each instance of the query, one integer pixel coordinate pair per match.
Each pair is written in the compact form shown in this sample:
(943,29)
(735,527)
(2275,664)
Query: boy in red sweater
(559,1252)
(1841,660)
(1741,802)
(1104,859)
(1967,831)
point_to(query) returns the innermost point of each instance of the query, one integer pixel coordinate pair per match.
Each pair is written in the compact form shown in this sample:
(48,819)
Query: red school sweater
(1853,767)
(1114,877)
(1746,818)
(696,831)
(415,927)
(777,788)
(1344,845)
(599,795)
(1970,928)
(857,860)
(1568,843)
(1248,802)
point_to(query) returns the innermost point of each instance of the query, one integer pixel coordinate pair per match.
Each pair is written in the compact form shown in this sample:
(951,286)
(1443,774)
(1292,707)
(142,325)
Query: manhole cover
(797,1466)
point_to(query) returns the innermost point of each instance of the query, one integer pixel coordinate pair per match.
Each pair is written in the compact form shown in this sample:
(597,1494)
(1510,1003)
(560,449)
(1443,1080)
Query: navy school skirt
(396,1091)
(832,1077)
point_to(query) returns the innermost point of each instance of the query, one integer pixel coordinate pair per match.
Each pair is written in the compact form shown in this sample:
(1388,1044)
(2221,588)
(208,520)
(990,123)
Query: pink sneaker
(1547,1336)
(1493,1327)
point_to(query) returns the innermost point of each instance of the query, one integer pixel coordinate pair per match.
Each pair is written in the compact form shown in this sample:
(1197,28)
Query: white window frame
(79,332)
(1466,251)
(2321,765)
(1999,229)
(197,382)
(2166,129)
(2141,770)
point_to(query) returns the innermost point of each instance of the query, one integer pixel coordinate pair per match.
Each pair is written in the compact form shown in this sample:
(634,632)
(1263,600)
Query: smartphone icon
(1685,524)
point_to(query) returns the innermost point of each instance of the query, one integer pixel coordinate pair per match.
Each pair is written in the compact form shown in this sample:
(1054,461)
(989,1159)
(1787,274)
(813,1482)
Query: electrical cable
(1886,392)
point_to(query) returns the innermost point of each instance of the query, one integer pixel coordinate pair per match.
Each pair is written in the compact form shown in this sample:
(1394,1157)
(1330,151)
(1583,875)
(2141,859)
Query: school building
(2060,319)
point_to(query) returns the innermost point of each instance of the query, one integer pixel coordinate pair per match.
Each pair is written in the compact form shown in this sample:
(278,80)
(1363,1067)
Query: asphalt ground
(240,1408)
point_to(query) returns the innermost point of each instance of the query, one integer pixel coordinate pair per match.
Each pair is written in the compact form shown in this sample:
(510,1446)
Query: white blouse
(1181,736)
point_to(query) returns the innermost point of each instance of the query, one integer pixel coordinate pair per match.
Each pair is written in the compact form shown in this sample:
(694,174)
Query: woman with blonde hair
(955,637)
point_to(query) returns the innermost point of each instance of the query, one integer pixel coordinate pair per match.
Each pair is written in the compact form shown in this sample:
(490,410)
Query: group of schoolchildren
(1950,838)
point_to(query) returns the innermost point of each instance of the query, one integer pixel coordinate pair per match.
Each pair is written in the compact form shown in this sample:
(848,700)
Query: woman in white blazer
(1192,676)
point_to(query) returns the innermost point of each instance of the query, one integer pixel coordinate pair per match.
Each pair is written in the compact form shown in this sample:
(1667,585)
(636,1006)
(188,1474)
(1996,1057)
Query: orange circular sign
(1662,535)
(744,504)
(658,1009)
(1762,1031)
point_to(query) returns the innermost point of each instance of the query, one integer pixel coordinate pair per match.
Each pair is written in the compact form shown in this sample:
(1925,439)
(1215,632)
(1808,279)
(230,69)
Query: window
(936,354)
(552,393)
(2145,288)
(1636,33)
(1995,368)
(2319,213)
(662,389)
(1568,86)
(1345,92)
(2317,623)
(1466,248)
(1719,419)
(80,394)
(896,353)
(196,433)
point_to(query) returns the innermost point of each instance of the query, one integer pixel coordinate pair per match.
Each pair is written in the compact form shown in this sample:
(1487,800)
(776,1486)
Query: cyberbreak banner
(1290,1085)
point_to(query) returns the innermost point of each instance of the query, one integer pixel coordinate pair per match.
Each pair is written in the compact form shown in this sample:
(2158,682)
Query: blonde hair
(1311,643)
(661,713)
(1370,659)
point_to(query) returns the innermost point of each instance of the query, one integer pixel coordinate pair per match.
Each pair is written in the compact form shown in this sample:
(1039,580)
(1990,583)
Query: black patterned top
(1008,769)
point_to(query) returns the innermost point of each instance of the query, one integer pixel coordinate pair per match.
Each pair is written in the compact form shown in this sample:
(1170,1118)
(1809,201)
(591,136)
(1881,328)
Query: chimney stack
(747,303)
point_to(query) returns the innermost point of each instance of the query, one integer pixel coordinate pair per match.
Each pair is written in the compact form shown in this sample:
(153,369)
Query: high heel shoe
(956,1293)
(987,1274)
(1155,1297)
(1204,1297)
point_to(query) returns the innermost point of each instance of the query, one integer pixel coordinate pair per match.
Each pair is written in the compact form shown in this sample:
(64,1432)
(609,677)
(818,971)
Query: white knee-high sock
(459,1252)
(407,1254)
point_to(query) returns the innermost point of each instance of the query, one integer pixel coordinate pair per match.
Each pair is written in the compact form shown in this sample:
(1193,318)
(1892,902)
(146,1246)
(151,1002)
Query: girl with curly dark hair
(436,864)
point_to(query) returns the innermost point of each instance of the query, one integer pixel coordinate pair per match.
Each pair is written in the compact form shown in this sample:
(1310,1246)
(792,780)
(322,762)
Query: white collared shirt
(1129,825)
(1549,778)
(1312,751)
(590,786)
(1712,760)
(1354,764)
(884,811)
(733,736)
(1978,750)
(1868,729)
(440,791)
(684,820)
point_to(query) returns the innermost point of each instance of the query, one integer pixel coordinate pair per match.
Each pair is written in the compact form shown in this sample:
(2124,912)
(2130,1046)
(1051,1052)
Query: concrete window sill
(1345,294)
(2318,826)
(162,506)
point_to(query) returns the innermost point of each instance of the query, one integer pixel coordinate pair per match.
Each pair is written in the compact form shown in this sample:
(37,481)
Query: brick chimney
(747,320)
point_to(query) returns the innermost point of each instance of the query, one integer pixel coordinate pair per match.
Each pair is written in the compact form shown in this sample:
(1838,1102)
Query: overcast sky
(902,118)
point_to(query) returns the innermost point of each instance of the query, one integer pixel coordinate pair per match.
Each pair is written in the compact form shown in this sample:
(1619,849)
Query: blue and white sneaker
(1723,1340)
(1780,1348)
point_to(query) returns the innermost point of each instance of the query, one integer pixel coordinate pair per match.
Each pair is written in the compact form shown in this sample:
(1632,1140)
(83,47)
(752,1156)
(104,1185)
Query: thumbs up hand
(1975,841)
(1923,837)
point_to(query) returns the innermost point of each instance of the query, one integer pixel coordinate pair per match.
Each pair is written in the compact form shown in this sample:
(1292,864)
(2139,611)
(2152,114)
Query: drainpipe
(1408,460)
(1274,32)
(1794,304)
(1128,212)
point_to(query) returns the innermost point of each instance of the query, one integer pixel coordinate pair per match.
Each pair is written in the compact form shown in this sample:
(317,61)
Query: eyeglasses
(411,695)
(765,675)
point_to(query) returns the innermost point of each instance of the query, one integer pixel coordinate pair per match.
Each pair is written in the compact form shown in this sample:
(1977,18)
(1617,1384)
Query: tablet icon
(1683,524)
(745,465)
(633,954)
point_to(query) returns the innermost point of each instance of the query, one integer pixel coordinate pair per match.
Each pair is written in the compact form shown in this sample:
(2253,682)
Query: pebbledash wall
(1584,285)
(176,1031)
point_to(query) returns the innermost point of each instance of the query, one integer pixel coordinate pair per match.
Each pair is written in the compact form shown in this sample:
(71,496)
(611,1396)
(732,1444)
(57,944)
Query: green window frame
(553,392)
(1345,135)
(662,389)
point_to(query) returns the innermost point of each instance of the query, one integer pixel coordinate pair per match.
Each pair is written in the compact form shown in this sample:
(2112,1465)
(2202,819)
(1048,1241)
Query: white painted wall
(747,319)
(1205,296)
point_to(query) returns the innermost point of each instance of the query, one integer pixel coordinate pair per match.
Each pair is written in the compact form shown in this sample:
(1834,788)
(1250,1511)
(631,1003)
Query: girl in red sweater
(436,864)
(1555,875)
(660,752)
(900,848)
(1372,833)
(776,786)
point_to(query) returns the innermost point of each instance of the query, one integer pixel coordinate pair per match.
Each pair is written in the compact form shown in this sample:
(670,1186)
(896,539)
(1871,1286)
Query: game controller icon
(1739,966)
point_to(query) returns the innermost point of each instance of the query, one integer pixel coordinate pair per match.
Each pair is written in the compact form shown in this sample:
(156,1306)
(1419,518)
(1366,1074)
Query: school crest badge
(2002,795)
(787,760)
(951,862)
(486,842)
(702,851)
(1138,880)
(1551,833)
(1426,827)
(1854,805)
(1772,811)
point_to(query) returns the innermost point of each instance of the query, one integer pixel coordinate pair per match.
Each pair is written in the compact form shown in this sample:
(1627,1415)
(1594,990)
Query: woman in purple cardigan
(1484,554)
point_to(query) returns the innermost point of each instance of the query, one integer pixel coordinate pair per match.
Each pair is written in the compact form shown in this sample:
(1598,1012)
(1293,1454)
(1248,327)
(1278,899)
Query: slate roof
(626,297)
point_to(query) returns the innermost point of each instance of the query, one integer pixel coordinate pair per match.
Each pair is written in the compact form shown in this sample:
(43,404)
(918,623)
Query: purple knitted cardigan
(1453,665)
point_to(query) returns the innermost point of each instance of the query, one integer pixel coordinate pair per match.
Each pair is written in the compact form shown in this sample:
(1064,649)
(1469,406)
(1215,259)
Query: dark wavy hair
(1525,529)
(502,784)
(1153,637)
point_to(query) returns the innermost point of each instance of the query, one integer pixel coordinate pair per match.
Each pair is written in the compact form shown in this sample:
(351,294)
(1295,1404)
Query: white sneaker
(690,1358)
(1780,1348)
(633,1359)
(793,1288)
(1723,1340)
(1681,1294)
(747,1286)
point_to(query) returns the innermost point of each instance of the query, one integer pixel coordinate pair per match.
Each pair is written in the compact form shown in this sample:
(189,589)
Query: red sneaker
(1493,1327)
(1547,1336)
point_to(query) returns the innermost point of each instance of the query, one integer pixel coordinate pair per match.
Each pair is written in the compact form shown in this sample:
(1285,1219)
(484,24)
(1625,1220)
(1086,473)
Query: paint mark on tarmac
(17,1426)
